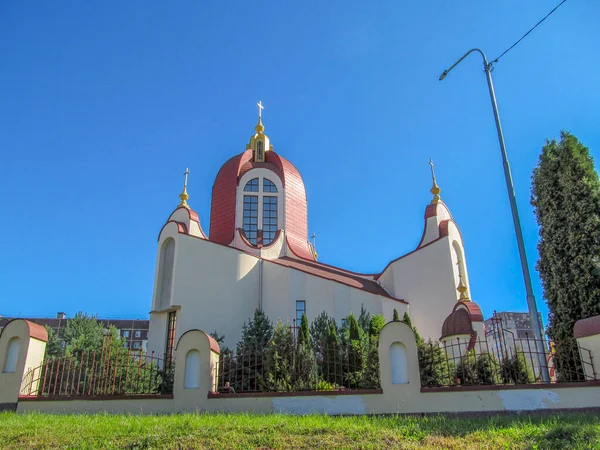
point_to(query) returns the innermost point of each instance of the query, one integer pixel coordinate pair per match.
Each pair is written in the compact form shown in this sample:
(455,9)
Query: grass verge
(242,431)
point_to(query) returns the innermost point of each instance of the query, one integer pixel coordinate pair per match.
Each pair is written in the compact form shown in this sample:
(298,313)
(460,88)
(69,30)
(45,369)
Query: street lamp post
(533,312)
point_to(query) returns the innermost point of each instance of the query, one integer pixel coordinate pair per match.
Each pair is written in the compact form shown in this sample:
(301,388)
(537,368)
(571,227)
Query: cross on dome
(435,189)
(259,126)
(260,108)
(184,195)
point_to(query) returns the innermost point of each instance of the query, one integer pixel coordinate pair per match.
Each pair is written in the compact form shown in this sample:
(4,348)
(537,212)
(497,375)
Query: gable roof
(336,274)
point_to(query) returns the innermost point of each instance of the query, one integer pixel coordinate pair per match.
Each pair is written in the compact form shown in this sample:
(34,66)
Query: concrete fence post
(22,349)
(196,360)
(399,364)
(587,333)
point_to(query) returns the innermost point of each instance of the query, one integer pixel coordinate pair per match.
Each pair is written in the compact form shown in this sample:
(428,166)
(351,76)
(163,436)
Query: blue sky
(104,104)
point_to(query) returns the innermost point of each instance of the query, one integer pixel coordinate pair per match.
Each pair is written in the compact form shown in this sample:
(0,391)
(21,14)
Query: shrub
(515,370)
(323,385)
(433,366)
(472,369)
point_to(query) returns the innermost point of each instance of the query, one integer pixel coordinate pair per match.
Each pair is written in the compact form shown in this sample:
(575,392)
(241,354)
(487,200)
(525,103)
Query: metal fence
(502,359)
(112,371)
(316,368)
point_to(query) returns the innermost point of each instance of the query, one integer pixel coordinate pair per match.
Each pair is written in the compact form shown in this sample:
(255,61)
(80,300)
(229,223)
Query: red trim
(333,274)
(472,308)
(587,327)
(249,165)
(36,331)
(430,211)
(504,387)
(180,226)
(296,394)
(242,235)
(274,241)
(35,398)
(214,346)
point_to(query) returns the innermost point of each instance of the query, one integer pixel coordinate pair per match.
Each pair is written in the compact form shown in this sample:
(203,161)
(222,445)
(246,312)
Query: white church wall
(157,333)
(283,286)
(216,287)
(388,306)
(425,279)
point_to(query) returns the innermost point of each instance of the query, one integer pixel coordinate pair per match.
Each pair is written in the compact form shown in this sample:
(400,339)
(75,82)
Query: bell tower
(259,142)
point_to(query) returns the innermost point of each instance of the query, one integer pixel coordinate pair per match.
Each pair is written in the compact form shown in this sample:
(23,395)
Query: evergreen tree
(407,321)
(354,352)
(257,333)
(331,368)
(566,199)
(396,316)
(364,319)
(250,354)
(377,323)
(353,328)
(54,346)
(371,372)
(319,329)
(473,369)
(303,332)
(279,360)
(514,369)
(433,366)
(83,333)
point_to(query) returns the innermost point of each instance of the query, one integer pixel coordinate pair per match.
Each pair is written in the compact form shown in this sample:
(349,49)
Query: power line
(523,37)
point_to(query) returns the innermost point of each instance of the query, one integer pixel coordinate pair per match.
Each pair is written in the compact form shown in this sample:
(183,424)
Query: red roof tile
(335,274)
(222,215)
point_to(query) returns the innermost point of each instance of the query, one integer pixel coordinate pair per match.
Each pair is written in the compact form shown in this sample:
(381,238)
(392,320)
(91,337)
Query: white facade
(216,283)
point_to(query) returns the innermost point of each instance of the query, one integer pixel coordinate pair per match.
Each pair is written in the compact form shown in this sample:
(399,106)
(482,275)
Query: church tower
(259,202)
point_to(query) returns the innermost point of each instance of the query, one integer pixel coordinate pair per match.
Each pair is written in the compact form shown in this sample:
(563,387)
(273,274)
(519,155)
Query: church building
(257,254)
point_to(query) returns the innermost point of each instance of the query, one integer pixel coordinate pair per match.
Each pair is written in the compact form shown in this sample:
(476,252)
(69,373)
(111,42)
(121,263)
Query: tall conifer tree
(566,199)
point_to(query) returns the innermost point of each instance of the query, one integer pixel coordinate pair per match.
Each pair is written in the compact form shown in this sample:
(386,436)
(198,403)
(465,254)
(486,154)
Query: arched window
(192,370)
(165,273)
(260,209)
(398,363)
(269,186)
(12,355)
(252,185)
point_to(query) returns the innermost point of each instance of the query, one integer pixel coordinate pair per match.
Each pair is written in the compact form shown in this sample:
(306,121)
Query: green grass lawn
(560,431)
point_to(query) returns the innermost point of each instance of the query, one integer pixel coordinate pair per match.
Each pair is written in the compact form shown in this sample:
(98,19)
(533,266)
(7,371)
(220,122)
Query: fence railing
(112,371)
(316,368)
(503,359)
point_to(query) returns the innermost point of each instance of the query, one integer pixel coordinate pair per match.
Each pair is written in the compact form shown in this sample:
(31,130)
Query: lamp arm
(485,62)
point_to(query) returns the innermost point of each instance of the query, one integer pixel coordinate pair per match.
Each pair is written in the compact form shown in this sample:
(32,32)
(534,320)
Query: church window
(269,186)
(171,324)
(250,222)
(269,219)
(300,310)
(259,150)
(252,185)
